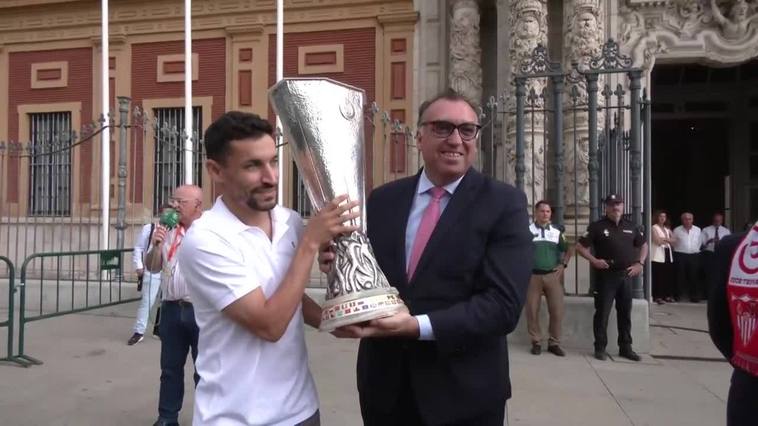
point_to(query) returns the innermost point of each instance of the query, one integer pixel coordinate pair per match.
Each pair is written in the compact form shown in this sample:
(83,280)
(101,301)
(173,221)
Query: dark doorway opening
(690,162)
(702,150)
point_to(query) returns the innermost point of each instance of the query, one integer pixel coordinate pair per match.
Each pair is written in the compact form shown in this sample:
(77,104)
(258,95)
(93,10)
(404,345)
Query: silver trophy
(323,124)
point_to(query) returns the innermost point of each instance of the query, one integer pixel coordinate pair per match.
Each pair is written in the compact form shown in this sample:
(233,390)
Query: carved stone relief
(465,70)
(720,32)
(528,30)
(583,38)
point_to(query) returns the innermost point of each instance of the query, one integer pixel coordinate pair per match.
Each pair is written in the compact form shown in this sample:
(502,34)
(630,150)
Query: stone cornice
(58,22)
(244,29)
(398,18)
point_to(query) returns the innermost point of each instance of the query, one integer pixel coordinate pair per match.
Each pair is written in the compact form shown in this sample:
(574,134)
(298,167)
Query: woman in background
(662,258)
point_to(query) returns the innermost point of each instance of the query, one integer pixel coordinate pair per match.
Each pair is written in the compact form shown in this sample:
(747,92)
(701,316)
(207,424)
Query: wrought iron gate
(585,126)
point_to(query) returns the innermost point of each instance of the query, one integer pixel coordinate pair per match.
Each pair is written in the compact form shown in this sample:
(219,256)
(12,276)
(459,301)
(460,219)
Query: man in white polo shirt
(247,262)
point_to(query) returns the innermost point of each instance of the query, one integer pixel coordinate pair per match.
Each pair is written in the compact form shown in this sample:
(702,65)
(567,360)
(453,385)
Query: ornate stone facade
(583,39)
(465,61)
(528,29)
(719,32)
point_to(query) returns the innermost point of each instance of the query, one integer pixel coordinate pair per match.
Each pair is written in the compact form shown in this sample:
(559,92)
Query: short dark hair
(542,202)
(449,95)
(233,125)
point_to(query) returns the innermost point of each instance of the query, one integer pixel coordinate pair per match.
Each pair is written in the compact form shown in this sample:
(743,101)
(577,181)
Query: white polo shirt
(245,380)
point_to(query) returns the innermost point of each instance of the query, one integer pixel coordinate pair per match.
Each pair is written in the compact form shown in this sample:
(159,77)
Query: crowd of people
(683,258)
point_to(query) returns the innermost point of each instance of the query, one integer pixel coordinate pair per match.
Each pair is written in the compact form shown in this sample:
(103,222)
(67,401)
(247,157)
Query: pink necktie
(425,228)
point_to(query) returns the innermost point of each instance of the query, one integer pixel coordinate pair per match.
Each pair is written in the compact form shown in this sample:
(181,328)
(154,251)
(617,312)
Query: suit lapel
(399,217)
(461,199)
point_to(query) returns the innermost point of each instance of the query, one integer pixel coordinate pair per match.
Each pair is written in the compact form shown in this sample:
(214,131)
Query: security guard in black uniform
(620,250)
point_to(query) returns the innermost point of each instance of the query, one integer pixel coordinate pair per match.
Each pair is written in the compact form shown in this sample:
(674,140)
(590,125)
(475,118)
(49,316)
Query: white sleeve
(140,244)
(215,270)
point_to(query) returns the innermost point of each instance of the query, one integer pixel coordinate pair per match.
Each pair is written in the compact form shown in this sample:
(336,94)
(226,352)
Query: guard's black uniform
(619,246)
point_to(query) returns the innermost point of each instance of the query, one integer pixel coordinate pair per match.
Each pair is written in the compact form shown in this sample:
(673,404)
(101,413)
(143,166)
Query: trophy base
(360,307)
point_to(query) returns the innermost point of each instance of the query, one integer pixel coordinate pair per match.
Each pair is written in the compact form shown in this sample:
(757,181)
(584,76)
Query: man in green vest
(551,257)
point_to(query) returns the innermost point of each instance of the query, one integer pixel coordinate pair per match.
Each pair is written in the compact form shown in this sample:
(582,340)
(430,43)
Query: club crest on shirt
(606,233)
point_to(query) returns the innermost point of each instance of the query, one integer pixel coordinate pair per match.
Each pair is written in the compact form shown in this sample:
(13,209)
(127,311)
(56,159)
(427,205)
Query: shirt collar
(229,223)
(424,184)
(546,227)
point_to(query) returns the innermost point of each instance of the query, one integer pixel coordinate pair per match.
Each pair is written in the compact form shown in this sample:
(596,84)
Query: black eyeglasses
(443,129)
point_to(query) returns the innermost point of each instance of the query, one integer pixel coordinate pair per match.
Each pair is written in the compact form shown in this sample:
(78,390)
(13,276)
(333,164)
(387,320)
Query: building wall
(234,44)
(73,67)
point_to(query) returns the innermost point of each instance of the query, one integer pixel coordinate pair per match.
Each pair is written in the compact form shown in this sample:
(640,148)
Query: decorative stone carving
(686,16)
(528,30)
(716,31)
(583,39)
(739,23)
(465,70)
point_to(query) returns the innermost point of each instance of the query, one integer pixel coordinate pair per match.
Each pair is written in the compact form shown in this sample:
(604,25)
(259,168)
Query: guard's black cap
(613,199)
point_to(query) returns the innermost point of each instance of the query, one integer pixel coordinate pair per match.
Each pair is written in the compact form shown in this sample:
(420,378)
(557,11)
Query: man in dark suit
(456,245)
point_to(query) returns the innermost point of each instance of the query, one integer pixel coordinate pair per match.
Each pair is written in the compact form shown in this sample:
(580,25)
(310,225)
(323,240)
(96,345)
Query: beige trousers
(549,285)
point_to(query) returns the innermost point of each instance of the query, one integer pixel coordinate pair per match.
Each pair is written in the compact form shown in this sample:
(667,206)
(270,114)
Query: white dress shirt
(420,202)
(687,242)
(709,233)
(141,246)
(173,285)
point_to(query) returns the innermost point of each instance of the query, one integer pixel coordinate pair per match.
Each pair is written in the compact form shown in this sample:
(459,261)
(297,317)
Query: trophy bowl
(323,122)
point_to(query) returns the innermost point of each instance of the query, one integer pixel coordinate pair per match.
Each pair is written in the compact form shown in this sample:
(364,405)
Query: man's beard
(254,204)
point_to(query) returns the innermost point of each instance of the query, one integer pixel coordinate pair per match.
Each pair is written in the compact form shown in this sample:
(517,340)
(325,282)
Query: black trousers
(613,286)
(743,398)
(688,275)
(707,267)
(407,413)
(664,279)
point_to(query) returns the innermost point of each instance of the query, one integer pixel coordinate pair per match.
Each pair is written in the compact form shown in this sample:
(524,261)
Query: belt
(541,272)
(182,303)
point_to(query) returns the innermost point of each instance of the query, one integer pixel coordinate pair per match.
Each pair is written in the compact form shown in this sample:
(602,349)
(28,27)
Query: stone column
(528,29)
(465,60)
(583,40)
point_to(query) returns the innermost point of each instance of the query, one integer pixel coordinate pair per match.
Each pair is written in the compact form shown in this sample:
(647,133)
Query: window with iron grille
(169,152)
(300,200)
(50,164)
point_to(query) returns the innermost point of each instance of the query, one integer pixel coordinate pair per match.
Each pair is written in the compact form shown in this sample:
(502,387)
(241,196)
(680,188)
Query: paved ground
(90,377)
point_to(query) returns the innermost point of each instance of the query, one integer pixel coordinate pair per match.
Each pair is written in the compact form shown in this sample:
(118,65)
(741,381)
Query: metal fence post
(557,148)
(123,109)
(592,164)
(647,202)
(520,166)
(636,164)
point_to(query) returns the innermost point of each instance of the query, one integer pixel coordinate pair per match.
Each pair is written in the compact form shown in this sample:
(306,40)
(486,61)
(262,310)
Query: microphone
(169,218)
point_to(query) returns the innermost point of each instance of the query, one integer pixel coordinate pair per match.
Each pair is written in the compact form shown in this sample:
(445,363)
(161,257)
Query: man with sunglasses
(456,245)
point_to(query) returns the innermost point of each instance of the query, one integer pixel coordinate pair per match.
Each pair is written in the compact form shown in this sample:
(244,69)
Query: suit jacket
(471,281)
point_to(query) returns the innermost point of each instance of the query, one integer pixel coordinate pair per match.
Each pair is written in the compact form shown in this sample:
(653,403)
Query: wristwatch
(565,265)
(641,263)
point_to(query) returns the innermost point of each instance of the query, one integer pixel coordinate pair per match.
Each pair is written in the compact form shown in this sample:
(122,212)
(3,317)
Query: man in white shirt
(687,257)
(149,283)
(711,235)
(709,240)
(247,262)
(178,329)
